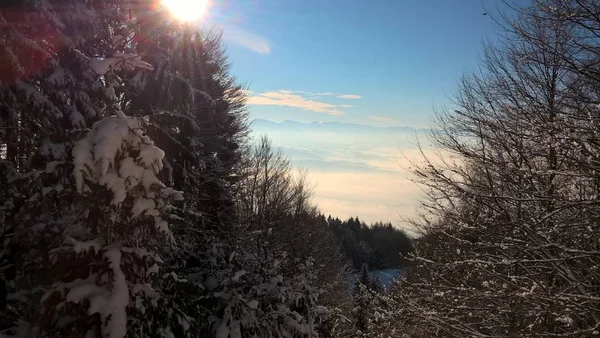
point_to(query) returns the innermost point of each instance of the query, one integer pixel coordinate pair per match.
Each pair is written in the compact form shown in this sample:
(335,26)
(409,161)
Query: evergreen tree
(57,79)
(110,113)
(371,307)
(118,238)
(196,112)
(362,300)
(376,285)
(380,246)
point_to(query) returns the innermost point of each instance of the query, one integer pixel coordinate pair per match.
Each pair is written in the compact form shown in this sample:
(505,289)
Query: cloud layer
(384,119)
(300,99)
(349,97)
(355,172)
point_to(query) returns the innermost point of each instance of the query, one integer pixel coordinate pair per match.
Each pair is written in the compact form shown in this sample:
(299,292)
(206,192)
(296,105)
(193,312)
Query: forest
(134,203)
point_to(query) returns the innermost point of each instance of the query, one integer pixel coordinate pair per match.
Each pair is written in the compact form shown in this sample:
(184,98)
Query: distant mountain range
(260,125)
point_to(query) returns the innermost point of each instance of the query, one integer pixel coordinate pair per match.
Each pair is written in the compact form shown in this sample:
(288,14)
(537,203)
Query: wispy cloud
(290,98)
(349,96)
(241,37)
(338,95)
(354,171)
(346,106)
(384,119)
(309,93)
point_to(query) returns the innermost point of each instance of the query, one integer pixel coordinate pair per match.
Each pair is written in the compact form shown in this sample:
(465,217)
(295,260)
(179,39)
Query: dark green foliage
(197,114)
(363,279)
(363,299)
(270,268)
(380,246)
(369,303)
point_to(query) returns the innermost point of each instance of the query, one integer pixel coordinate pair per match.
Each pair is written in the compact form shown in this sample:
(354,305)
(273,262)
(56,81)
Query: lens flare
(187,10)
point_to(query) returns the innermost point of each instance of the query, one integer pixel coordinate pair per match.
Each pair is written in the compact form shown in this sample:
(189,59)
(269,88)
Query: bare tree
(275,206)
(510,231)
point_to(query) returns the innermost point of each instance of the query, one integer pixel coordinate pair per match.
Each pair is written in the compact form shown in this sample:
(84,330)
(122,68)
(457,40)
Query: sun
(187,10)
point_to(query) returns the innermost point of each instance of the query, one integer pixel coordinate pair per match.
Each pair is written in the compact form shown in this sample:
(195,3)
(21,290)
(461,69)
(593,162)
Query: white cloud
(290,98)
(241,37)
(346,106)
(371,196)
(365,174)
(338,95)
(309,93)
(384,194)
(384,119)
(349,96)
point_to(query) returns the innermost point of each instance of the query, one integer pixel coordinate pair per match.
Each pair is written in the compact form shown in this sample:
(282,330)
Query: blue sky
(381,63)
(403,58)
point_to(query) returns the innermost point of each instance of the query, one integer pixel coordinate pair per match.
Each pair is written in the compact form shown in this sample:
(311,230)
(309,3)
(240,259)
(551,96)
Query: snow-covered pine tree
(47,91)
(119,234)
(94,215)
(372,308)
(363,300)
(97,242)
(195,112)
(116,232)
(376,285)
(258,299)
(196,108)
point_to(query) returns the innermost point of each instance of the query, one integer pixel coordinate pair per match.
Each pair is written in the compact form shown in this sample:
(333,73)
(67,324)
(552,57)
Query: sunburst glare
(187,10)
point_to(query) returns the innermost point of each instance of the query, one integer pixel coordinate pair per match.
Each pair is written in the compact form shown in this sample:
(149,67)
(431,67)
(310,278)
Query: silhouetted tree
(506,247)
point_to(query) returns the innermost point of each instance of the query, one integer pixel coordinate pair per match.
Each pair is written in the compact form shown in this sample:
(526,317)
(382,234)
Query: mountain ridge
(331,126)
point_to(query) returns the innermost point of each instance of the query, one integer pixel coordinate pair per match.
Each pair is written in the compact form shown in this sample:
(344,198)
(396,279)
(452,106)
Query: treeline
(132,203)
(379,246)
(510,234)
